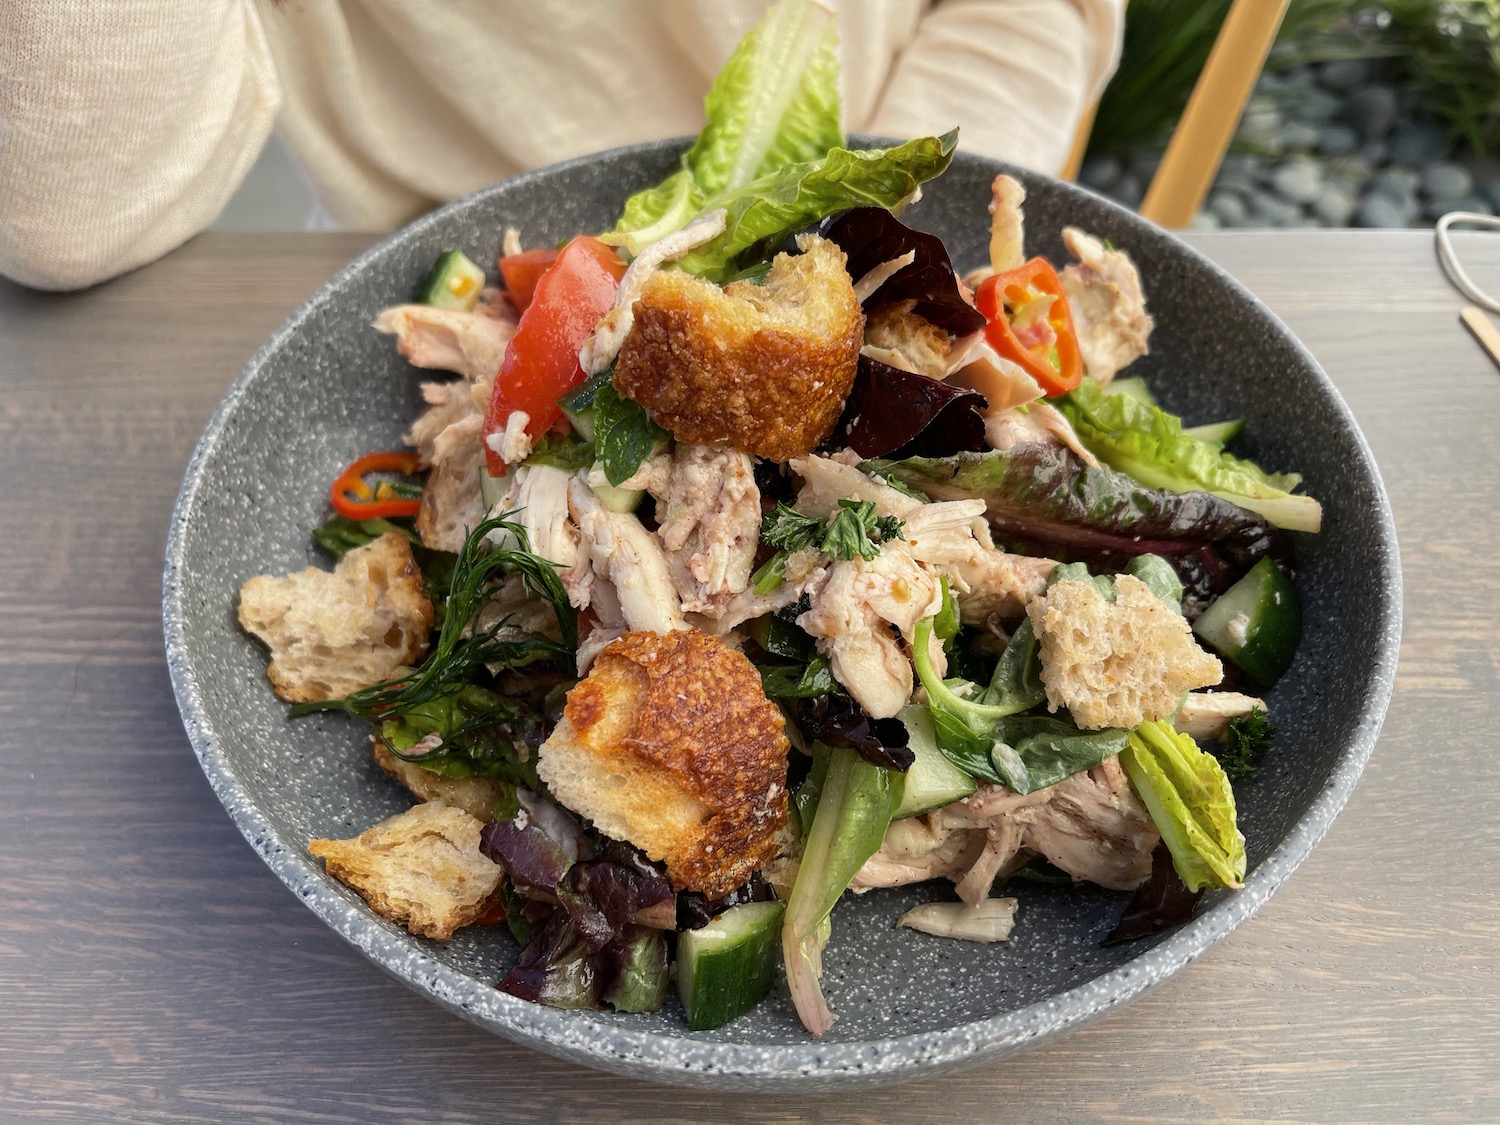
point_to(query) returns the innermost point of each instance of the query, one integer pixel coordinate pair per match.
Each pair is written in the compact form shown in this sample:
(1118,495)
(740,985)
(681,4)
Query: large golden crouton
(761,368)
(477,796)
(1120,663)
(422,868)
(333,633)
(671,744)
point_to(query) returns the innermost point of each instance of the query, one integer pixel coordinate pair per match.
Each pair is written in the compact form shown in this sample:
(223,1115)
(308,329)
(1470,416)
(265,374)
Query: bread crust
(1120,663)
(421,868)
(671,743)
(334,633)
(761,368)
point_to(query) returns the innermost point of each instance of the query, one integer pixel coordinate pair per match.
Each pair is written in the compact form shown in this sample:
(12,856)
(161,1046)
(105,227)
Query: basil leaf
(789,681)
(624,434)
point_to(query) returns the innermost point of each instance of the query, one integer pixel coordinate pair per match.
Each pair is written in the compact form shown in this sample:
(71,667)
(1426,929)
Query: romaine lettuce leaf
(798,195)
(1190,799)
(775,102)
(1149,444)
(853,810)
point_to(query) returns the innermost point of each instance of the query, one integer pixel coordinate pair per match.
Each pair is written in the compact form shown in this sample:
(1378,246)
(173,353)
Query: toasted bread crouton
(671,744)
(896,335)
(1120,663)
(477,796)
(761,368)
(422,868)
(333,633)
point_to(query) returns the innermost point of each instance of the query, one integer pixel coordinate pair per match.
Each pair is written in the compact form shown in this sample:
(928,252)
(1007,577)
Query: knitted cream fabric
(126,125)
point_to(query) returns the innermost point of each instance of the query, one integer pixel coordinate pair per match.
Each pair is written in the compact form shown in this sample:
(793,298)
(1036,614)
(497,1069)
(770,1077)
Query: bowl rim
(616,1046)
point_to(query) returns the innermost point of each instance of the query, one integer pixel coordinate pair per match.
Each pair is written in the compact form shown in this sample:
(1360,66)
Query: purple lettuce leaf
(895,413)
(872,236)
(1161,902)
(837,720)
(695,910)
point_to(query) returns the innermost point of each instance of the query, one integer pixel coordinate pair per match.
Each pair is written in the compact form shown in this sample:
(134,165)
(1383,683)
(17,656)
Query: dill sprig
(465,652)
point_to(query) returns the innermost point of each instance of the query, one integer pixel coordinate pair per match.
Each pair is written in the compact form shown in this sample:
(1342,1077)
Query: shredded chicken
(447,404)
(510,242)
(513,444)
(1092,825)
(1037,422)
(600,350)
(851,620)
(630,558)
(1205,715)
(1095,828)
(974,364)
(538,494)
(826,481)
(1007,241)
(865,287)
(709,513)
(988,921)
(468,343)
(1109,310)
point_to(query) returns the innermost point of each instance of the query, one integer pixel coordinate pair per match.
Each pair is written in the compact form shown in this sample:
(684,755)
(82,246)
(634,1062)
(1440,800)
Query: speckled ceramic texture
(326,388)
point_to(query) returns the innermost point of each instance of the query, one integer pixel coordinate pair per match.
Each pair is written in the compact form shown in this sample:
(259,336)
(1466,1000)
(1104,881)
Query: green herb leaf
(624,434)
(1248,739)
(482,735)
(791,681)
(567,452)
(855,530)
(339,534)
(984,733)
(788,529)
(467,649)
(947,623)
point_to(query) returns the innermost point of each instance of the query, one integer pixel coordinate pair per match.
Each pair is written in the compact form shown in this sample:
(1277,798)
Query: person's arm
(1015,75)
(125,125)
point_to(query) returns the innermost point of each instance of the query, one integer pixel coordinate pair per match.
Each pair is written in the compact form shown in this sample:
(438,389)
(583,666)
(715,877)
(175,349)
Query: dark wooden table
(152,970)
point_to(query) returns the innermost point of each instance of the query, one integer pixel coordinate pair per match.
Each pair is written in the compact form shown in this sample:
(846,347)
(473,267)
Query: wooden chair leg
(1213,112)
(1080,144)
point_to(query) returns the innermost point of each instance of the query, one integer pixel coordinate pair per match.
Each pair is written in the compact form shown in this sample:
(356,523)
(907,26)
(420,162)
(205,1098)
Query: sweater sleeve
(1014,75)
(124,127)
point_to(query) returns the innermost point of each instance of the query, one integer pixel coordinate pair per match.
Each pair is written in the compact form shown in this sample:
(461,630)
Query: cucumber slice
(1216,433)
(1256,623)
(932,781)
(622,500)
(578,404)
(726,968)
(1135,387)
(491,489)
(454,283)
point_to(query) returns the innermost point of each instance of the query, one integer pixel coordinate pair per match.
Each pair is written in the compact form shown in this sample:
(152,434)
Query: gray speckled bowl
(326,388)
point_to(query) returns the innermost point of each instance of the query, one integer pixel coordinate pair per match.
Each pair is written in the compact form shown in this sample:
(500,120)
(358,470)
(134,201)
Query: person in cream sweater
(126,126)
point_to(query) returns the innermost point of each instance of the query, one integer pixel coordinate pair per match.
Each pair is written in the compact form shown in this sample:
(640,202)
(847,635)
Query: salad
(753,556)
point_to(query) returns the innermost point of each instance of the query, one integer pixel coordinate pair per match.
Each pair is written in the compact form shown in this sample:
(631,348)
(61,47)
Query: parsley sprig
(855,530)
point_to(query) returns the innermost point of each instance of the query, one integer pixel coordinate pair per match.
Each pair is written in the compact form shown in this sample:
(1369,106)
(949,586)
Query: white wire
(1449,257)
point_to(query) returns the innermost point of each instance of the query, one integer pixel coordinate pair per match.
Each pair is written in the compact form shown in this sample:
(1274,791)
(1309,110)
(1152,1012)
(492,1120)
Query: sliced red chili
(356,498)
(1030,324)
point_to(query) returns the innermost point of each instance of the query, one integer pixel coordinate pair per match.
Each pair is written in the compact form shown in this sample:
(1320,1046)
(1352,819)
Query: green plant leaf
(1190,799)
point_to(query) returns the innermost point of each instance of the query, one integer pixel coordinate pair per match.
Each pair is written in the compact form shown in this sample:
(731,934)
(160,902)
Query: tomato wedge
(541,361)
(1030,324)
(521,273)
(353,497)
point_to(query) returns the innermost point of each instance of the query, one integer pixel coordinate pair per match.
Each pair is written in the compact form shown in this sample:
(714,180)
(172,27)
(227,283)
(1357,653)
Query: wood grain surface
(153,970)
